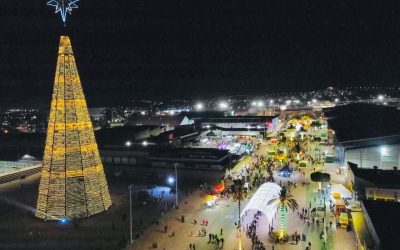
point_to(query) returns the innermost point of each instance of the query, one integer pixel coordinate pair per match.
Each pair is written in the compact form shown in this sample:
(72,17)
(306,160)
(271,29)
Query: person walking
(194,246)
(221,231)
(190,246)
(165,228)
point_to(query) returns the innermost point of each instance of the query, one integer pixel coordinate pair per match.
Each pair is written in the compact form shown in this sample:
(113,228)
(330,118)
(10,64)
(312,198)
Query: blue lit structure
(63,7)
(285,171)
(63,221)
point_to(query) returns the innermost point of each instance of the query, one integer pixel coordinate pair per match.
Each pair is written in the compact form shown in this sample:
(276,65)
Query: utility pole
(130,212)
(176,184)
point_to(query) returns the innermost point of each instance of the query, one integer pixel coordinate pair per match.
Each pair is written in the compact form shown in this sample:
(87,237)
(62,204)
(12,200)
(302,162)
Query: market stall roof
(239,167)
(341,189)
(260,199)
(286,169)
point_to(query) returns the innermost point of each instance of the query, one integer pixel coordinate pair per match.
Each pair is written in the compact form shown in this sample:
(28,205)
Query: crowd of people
(251,232)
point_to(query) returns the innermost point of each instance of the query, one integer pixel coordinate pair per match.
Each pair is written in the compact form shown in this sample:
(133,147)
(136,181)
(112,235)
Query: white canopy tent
(260,200)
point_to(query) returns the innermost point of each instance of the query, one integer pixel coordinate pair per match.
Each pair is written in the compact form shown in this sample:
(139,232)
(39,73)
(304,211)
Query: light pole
(238,195)
(176,184)
(130,211)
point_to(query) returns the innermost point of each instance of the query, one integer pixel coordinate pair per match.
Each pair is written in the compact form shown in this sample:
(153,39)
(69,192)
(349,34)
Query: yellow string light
(72,184)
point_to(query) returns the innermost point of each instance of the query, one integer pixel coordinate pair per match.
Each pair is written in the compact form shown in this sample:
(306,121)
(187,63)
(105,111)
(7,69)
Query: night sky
(180,49)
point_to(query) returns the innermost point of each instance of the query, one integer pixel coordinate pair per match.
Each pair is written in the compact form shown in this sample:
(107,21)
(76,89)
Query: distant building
(98,116)
(119,136)
(167,121)
(245,133)
(241,122)
(173,121)
(155,158)
(365,134)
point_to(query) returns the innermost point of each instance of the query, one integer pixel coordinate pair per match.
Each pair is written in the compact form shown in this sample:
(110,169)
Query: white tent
(260,200)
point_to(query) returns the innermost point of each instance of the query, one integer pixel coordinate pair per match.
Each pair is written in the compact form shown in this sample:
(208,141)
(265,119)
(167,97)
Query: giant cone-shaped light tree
(72,184)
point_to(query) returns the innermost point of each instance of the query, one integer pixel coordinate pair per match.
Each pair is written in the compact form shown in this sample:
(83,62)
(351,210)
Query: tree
(320,177)
(297,148)
(315,124)
(281,202)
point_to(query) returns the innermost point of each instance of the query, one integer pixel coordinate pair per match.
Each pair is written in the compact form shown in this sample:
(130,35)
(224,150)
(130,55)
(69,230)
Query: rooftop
(193,153)
(361,125)
(383,215)
(202,114)
(381,178)
(237,119)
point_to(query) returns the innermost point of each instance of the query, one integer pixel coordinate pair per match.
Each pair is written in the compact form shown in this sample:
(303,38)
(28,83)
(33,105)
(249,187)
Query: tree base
(275,237)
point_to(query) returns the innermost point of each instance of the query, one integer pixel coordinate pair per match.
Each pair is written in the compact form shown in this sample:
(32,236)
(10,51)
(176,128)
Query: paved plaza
(223,216)
(172,233)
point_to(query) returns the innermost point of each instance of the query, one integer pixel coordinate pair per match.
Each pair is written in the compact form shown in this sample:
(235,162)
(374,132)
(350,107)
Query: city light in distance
(260,104)
(145,143)
(381,97)
(199,106)
(223,105)
(336,100)
(271,101)
(314,100)
(128,143)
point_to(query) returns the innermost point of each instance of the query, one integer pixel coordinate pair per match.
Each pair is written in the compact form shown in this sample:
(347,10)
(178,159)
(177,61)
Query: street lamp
(128,143)
(170,180)
(176,184)
(384,150)
(145,143)
(238,195)
(130,211)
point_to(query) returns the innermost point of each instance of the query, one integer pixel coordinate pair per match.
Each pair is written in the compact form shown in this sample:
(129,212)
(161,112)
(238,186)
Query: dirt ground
(20,229)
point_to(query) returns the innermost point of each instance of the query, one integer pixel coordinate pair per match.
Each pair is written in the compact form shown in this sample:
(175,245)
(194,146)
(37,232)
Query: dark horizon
(164,50)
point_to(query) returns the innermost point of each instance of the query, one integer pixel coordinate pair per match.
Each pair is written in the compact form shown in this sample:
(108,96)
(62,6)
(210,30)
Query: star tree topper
(63,7)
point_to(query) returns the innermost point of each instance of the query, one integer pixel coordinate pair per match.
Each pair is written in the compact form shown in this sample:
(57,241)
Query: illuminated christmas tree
(73,184)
